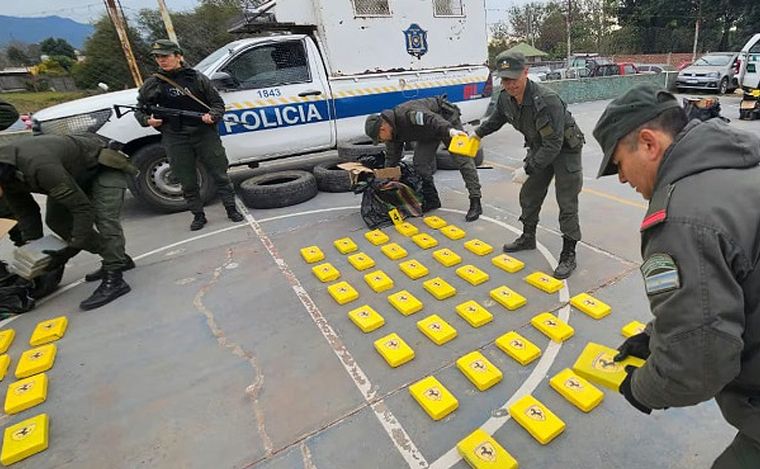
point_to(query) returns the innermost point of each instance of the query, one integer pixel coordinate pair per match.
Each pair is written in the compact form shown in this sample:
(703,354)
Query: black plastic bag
(702,109)
(379,196)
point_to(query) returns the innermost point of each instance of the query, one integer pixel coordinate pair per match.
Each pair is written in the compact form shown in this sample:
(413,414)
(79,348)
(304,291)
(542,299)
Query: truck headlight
(80,123)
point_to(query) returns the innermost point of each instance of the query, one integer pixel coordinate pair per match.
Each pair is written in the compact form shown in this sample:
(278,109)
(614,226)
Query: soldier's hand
(625,390)
(634,346)
(153,122)
(207,119)
(59,257)
(472,134)
(529,167)
(454,132)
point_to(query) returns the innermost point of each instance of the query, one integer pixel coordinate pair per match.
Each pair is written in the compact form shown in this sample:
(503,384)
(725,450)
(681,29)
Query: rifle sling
(184,90)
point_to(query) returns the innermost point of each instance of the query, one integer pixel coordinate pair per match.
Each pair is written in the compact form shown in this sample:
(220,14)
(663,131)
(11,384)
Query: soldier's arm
(697,301)
(147,95)
(430,120)
(495,121)
(211,97)
(25,210)
(8,115)
(60,186)
(394,151)
(550,124)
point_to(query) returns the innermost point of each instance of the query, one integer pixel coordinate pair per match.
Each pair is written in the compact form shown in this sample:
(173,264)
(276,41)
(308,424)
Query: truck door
(279,104)
(750,57)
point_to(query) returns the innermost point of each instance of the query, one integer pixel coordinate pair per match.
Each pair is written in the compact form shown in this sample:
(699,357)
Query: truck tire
(155,186)
(330,178)
(351,151)
(445,160)
(278,189)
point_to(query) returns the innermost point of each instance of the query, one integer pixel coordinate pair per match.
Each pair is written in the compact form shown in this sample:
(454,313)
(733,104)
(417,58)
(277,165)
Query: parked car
(580,65)
(714,71)
(656,68)
(538,73)
(609,70)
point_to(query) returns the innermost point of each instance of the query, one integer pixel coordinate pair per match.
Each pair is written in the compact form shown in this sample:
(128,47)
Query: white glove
(453,132)
(519,176)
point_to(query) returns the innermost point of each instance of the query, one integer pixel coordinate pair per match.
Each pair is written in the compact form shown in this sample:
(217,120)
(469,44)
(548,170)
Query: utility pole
(569,7)
(119,24)
(696,31)
(167,21)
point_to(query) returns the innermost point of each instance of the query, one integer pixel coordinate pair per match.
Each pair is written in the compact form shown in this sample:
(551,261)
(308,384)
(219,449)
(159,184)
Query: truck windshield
(212,58)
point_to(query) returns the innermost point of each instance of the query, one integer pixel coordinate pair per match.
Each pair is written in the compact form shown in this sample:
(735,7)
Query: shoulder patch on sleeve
(417,117)
(660,273)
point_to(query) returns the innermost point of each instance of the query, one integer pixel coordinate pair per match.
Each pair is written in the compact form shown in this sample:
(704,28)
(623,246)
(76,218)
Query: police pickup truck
(306,82)
(749,78)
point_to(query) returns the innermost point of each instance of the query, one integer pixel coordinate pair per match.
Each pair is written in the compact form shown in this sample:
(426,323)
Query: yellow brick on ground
(507,297)
(6,339)
(407,229)
(552,327)
(361,261)
(435,222)
(474,313)
(508,263)
(405,302)
(476,246)
(377,237)
(425,241)
(439,288)
(366,318)
(591,306)
(433,397)
(632,328)
(394,350)
(326,272)
(393,251)
(36,361)
(447,257)
(453,232)
(481,451)
(378,281)
(537,419)
(596,363)
(312,254)
(24,439)
(518,347)
(577,390)
(472,274)
(345,245)
(479,370)
(544,282)
(49,331)
(5,362)
(436,329)
(413,269)
(343,292)
(26,393)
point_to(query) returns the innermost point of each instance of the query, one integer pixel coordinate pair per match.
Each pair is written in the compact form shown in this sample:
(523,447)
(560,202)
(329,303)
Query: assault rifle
(158,112)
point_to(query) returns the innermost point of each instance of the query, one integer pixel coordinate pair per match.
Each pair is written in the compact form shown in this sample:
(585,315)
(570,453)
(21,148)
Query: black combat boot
(98,274)
(430,200)
(566,264)
(198,222)
(233,213)
(475,209)
(112,287)
(527,240)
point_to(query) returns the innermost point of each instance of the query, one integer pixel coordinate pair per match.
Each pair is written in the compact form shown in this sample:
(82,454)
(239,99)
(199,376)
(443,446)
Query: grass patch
(30,102)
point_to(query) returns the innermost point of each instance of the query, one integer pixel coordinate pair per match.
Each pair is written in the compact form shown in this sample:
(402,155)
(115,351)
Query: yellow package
(508,298)
(345,245)
(577,390)
(588,304)
(464,145)
(476,246)
(326,272)
(552,327)
(378,281)
(474,314)
(312,254)
(393,251)
(447,257)
(544,282)
(537,419)
(435,222)
(439,288)
(434,398)
(376,237)
(413,269)
(366,318)
(394,350)
(472,274)
(436,329)
(596,363)
(481,451)
(405,302)
(361,261)
(479,370)
(508,263)
(632,328)
(342,292)
(518,347)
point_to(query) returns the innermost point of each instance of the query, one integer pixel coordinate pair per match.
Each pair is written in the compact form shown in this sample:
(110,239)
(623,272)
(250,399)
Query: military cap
(372,127)
(510,64)
(624,114)
(164,47)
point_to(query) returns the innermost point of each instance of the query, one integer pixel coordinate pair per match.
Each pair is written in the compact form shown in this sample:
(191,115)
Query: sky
(85,11)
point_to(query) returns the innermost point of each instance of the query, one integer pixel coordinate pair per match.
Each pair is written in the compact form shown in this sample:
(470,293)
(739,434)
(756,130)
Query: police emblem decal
(416,40)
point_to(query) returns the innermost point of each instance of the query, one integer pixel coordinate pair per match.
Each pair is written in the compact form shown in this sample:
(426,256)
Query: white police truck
(306,80)
(749,78)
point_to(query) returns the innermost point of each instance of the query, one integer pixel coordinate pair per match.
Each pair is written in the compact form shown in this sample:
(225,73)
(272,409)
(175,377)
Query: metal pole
(167,21)
(696,34)
(118,23)
(569,6)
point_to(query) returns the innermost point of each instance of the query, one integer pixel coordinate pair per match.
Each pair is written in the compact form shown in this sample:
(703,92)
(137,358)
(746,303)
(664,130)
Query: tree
(57,47)
(17,56)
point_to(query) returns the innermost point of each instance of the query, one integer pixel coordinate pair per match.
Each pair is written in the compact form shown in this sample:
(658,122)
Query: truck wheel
(155,185)
(351,151)
(445,160)
(330,178)
(278,189)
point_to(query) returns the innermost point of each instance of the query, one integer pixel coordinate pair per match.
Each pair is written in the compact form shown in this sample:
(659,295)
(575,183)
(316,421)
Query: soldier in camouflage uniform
(554,152)
(85,184)
(188,141)
(427,121)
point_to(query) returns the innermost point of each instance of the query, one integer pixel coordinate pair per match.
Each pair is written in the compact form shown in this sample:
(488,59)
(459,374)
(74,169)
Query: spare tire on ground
(445,160)
(330,178)
(278,189)
(351,151)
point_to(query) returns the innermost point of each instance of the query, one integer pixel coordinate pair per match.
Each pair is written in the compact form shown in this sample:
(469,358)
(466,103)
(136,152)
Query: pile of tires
(278,189)
(351,151)
(331,178)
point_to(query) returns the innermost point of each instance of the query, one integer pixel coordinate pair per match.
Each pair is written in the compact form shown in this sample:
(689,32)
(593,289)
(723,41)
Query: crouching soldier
(84,183)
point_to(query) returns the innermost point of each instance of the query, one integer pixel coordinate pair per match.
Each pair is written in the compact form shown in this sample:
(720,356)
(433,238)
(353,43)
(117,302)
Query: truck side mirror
(223,81)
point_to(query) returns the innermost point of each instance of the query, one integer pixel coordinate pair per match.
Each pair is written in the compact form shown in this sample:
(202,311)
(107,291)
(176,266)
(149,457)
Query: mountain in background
(34,30)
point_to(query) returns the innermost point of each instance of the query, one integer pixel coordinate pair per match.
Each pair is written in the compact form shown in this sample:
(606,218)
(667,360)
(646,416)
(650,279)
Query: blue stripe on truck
(288,115)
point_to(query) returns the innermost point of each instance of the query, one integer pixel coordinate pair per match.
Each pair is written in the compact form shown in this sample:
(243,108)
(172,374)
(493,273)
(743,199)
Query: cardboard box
(355,170)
